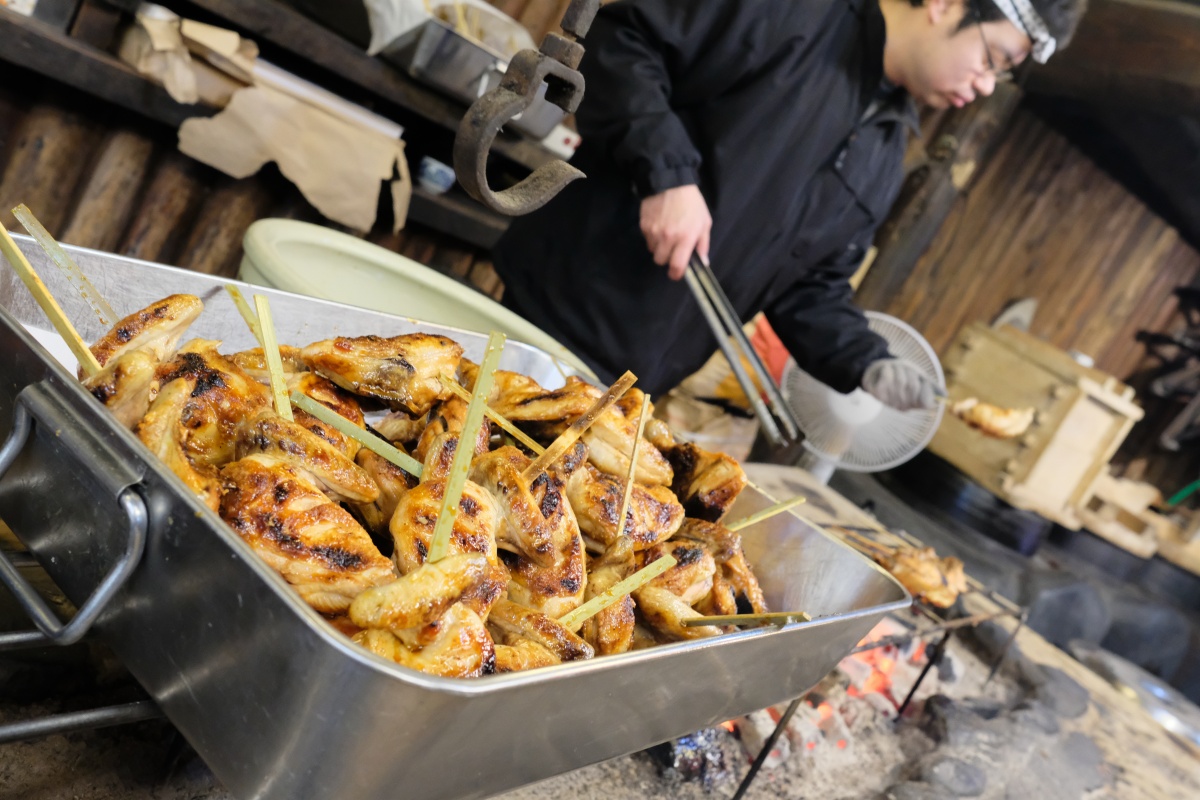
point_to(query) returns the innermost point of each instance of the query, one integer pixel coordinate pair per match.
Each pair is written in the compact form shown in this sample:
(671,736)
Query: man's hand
(675,223)
(900,384)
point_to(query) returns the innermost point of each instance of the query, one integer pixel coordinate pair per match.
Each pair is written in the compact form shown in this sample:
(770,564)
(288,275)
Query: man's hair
(1061,16)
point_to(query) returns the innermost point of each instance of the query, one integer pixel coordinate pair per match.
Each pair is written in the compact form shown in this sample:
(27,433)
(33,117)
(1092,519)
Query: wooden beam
(1131,53)
(961,145)
(286,28)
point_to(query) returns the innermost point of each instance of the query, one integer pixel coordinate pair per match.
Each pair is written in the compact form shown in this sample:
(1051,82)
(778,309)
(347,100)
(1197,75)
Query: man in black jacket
(769,133)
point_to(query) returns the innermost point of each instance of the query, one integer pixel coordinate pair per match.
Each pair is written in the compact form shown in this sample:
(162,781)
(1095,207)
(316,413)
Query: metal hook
(557,64)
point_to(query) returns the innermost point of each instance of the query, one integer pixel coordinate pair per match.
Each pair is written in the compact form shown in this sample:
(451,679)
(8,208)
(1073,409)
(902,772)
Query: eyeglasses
(998,75)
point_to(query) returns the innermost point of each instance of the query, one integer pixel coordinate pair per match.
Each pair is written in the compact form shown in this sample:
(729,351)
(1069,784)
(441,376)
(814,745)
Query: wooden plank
(215,244)
(110,193)
(458,215)
(172,197)
(284,27)
(33,45)
(47,158)
(1130,53)
(96,24)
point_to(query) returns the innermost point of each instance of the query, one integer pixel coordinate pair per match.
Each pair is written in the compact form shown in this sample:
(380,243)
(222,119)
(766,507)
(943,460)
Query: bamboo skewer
(239,302)
(573,619)
(571,435)
(465,451)
(373,443)
(778,618)
(270,346)
(59,256)
(633,457)
(767,513)
(87,360)
(518,434)
(865,541)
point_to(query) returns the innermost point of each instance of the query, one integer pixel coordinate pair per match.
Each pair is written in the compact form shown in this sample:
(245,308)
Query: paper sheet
(338,166)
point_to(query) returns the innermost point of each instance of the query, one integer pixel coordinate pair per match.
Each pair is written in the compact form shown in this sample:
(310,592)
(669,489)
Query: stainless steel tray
(282,706)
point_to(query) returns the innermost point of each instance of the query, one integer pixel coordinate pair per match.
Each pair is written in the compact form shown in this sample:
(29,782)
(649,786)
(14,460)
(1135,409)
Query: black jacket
(776,109)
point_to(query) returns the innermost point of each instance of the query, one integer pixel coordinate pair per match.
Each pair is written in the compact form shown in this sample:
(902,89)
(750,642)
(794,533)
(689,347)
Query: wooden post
(171,199)
(110,192)
(47,157)
(215,244)
(962,144)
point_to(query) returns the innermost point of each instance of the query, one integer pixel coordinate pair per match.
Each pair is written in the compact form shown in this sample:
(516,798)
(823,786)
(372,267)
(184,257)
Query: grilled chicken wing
(611,630)
(393,483)
(459,647)
(126,385)
(399,426)
(161,431)
(938,581)
(610,441)
(511,623)
(706,483)
(524,528)
(337,400)
(448,417)
(523,654)
(266,433)
(421,597)
(254,363)
(156,329)
(665,612)
(403,371)
(304,536)
(653,516)
(691,578)
(416,515)
(734,572)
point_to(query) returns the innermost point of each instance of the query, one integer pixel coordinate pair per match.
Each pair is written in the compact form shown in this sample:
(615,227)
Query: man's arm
(818,322)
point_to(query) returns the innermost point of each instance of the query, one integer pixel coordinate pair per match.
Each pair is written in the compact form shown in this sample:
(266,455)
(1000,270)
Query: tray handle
(33,403)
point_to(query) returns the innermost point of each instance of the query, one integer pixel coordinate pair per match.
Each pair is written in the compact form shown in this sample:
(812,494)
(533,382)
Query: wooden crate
(1082,416)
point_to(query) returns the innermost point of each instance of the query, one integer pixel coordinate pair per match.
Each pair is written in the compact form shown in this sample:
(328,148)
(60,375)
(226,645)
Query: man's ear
(936,10)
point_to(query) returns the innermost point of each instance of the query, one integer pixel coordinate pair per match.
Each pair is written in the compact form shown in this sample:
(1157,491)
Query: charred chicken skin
(155,329)
(653,516)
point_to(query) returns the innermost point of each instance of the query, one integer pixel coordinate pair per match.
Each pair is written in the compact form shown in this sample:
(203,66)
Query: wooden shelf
(36,46)
(288,29)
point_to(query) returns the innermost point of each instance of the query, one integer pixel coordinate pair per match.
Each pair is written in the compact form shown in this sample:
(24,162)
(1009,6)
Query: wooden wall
(1044,221)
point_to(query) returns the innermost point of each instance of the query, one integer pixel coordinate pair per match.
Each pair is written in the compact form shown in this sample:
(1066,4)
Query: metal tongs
(727,327)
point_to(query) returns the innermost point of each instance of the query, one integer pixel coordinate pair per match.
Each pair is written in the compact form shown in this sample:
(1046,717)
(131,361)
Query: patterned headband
(1022,14)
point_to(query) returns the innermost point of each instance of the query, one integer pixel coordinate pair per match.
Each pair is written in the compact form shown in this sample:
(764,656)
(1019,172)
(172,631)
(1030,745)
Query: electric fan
(855,431)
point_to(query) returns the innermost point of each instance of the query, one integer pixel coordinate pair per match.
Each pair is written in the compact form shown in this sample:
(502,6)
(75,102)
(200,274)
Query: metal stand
(744,786)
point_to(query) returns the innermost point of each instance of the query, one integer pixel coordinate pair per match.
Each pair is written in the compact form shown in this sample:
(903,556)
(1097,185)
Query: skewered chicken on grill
(938,581)
(653,516)
(994,421)
(303,535)
(254,363)
(460,646)
(512,624)
(155,329)
(665,612)
(403,371)
(611,631)
(733,572)
(448,417)
(401,427)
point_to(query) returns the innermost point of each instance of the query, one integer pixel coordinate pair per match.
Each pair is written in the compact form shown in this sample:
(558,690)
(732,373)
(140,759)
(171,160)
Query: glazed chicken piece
(336,400)
(706,483)
(611,631)
(401,427)
(192,423)
(938,581)
(610,441)
(994,421)
(403,371)
(155,330)
(393,483)
(448,417)
(548,570)
(665,612)
(126,385)
(523,654)
(266,433)
(543,413)
(300,533)
(653,516)
(512,624)
(733,572)
(254,363)
(691,578)
(459,646)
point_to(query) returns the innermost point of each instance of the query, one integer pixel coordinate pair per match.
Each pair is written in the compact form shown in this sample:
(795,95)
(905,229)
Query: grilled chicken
(393,483)
(524,528)
(611,630)
(938,581)
(994,421)
(403,371)
(448,417)
(266,433)
(421,597)
(416,515)
(401,427)
(653,516)
(155,330)
(126,385)
(734,573)
(523,654)
(163,434)
(459,647)
(336,400)
(665,612)
(511,623)
(691,578)
(543,413)
(706,483)
(304,536)
(254,363)
(610,441)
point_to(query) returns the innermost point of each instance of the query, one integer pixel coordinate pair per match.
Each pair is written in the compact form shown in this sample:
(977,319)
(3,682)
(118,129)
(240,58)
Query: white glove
(900,384)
